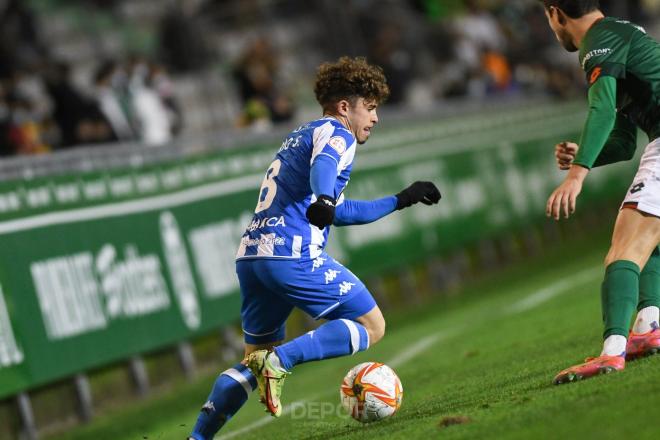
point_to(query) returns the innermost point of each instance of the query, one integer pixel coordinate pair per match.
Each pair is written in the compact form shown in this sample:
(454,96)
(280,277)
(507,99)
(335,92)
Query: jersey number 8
(268,187)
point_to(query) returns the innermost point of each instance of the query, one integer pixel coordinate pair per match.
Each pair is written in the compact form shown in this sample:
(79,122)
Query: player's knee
(374,324)
(609,259)
(615,255)
(637,254)
(376,331)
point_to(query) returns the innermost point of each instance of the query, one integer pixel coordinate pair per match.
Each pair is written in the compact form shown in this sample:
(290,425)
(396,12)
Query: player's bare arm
(563,200)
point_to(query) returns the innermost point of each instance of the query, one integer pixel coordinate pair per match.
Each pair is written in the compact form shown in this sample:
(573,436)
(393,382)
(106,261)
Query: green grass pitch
(479,365)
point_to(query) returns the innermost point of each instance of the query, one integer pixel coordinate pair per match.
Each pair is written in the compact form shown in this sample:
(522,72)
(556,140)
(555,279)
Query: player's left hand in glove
(322,212)
(425,192)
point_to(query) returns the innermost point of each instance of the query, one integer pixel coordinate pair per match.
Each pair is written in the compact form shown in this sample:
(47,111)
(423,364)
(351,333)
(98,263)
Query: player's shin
(649,295)
(229,393)
(333,339)
(619,295)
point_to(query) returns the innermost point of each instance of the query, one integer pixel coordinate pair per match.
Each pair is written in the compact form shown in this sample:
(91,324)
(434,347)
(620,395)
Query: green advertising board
(99,266)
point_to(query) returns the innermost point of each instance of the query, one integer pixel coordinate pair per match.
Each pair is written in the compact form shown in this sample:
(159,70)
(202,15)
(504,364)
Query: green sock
(619,295)
(649,282)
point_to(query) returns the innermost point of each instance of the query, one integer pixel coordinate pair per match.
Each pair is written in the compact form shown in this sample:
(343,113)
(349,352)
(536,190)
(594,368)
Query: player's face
(560,30)
(362,117)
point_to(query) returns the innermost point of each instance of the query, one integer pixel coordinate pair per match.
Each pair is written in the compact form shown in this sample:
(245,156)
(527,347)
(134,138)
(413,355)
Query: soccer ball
(371,391)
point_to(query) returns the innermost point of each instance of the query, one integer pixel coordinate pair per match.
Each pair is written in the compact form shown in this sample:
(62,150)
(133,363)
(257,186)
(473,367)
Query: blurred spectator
(78,118)
(256,74)
(20,42)
(388,51)
(480,49)
(110,83)
(164,87)
(5,147)
(24,131)
(478,32)
(68,104)
(183,46)
(151,116)
(496,66)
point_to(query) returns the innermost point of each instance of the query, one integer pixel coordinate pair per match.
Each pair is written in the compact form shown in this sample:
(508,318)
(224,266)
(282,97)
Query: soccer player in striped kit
(622,66)
(281,262)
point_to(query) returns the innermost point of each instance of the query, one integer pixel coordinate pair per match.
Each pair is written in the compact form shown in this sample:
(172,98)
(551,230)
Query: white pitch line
(531,301)
(418,348)
(540,296)
(266,420)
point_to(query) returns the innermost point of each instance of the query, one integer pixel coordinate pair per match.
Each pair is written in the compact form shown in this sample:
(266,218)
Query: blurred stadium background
(134,134)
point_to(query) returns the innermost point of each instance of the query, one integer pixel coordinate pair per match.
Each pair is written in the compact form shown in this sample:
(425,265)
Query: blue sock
(333,339)
(230,391)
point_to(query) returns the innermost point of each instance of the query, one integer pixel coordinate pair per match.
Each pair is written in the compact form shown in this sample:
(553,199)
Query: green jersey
(622,64)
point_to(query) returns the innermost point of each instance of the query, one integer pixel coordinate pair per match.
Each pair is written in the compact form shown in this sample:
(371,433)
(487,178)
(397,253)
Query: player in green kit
(622,66)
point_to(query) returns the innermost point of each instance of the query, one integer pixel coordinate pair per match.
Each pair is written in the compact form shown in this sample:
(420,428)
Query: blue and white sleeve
(361,212)
(323,176)
(331,142)
(330,146)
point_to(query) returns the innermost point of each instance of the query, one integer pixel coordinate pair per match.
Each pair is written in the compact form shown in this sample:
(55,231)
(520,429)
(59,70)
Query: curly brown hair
(350,79)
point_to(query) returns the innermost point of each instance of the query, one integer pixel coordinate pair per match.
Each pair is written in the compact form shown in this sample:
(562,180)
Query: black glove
(425,192)
(322,212)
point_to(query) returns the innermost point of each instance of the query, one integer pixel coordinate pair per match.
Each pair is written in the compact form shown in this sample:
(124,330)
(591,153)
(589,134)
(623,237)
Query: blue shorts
(322,288)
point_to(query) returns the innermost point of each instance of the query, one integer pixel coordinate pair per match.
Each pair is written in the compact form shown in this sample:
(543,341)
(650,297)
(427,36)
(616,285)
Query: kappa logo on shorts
(330,275)
(345,287)
(318,262)
(637,188)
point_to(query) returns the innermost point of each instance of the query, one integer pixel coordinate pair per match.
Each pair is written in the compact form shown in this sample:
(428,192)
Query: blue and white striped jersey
(279,228)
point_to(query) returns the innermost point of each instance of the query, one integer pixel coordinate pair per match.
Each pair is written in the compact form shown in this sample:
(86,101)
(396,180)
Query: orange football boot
(643,344)
(591,367)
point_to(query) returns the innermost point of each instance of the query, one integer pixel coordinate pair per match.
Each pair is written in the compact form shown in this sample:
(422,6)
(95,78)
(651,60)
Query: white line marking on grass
(531,301)
(266,420)
(417,348)
(540,296)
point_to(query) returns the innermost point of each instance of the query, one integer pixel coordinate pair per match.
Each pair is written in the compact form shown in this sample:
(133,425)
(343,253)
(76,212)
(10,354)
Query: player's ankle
(276,362)
(647,320)
(614,345)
